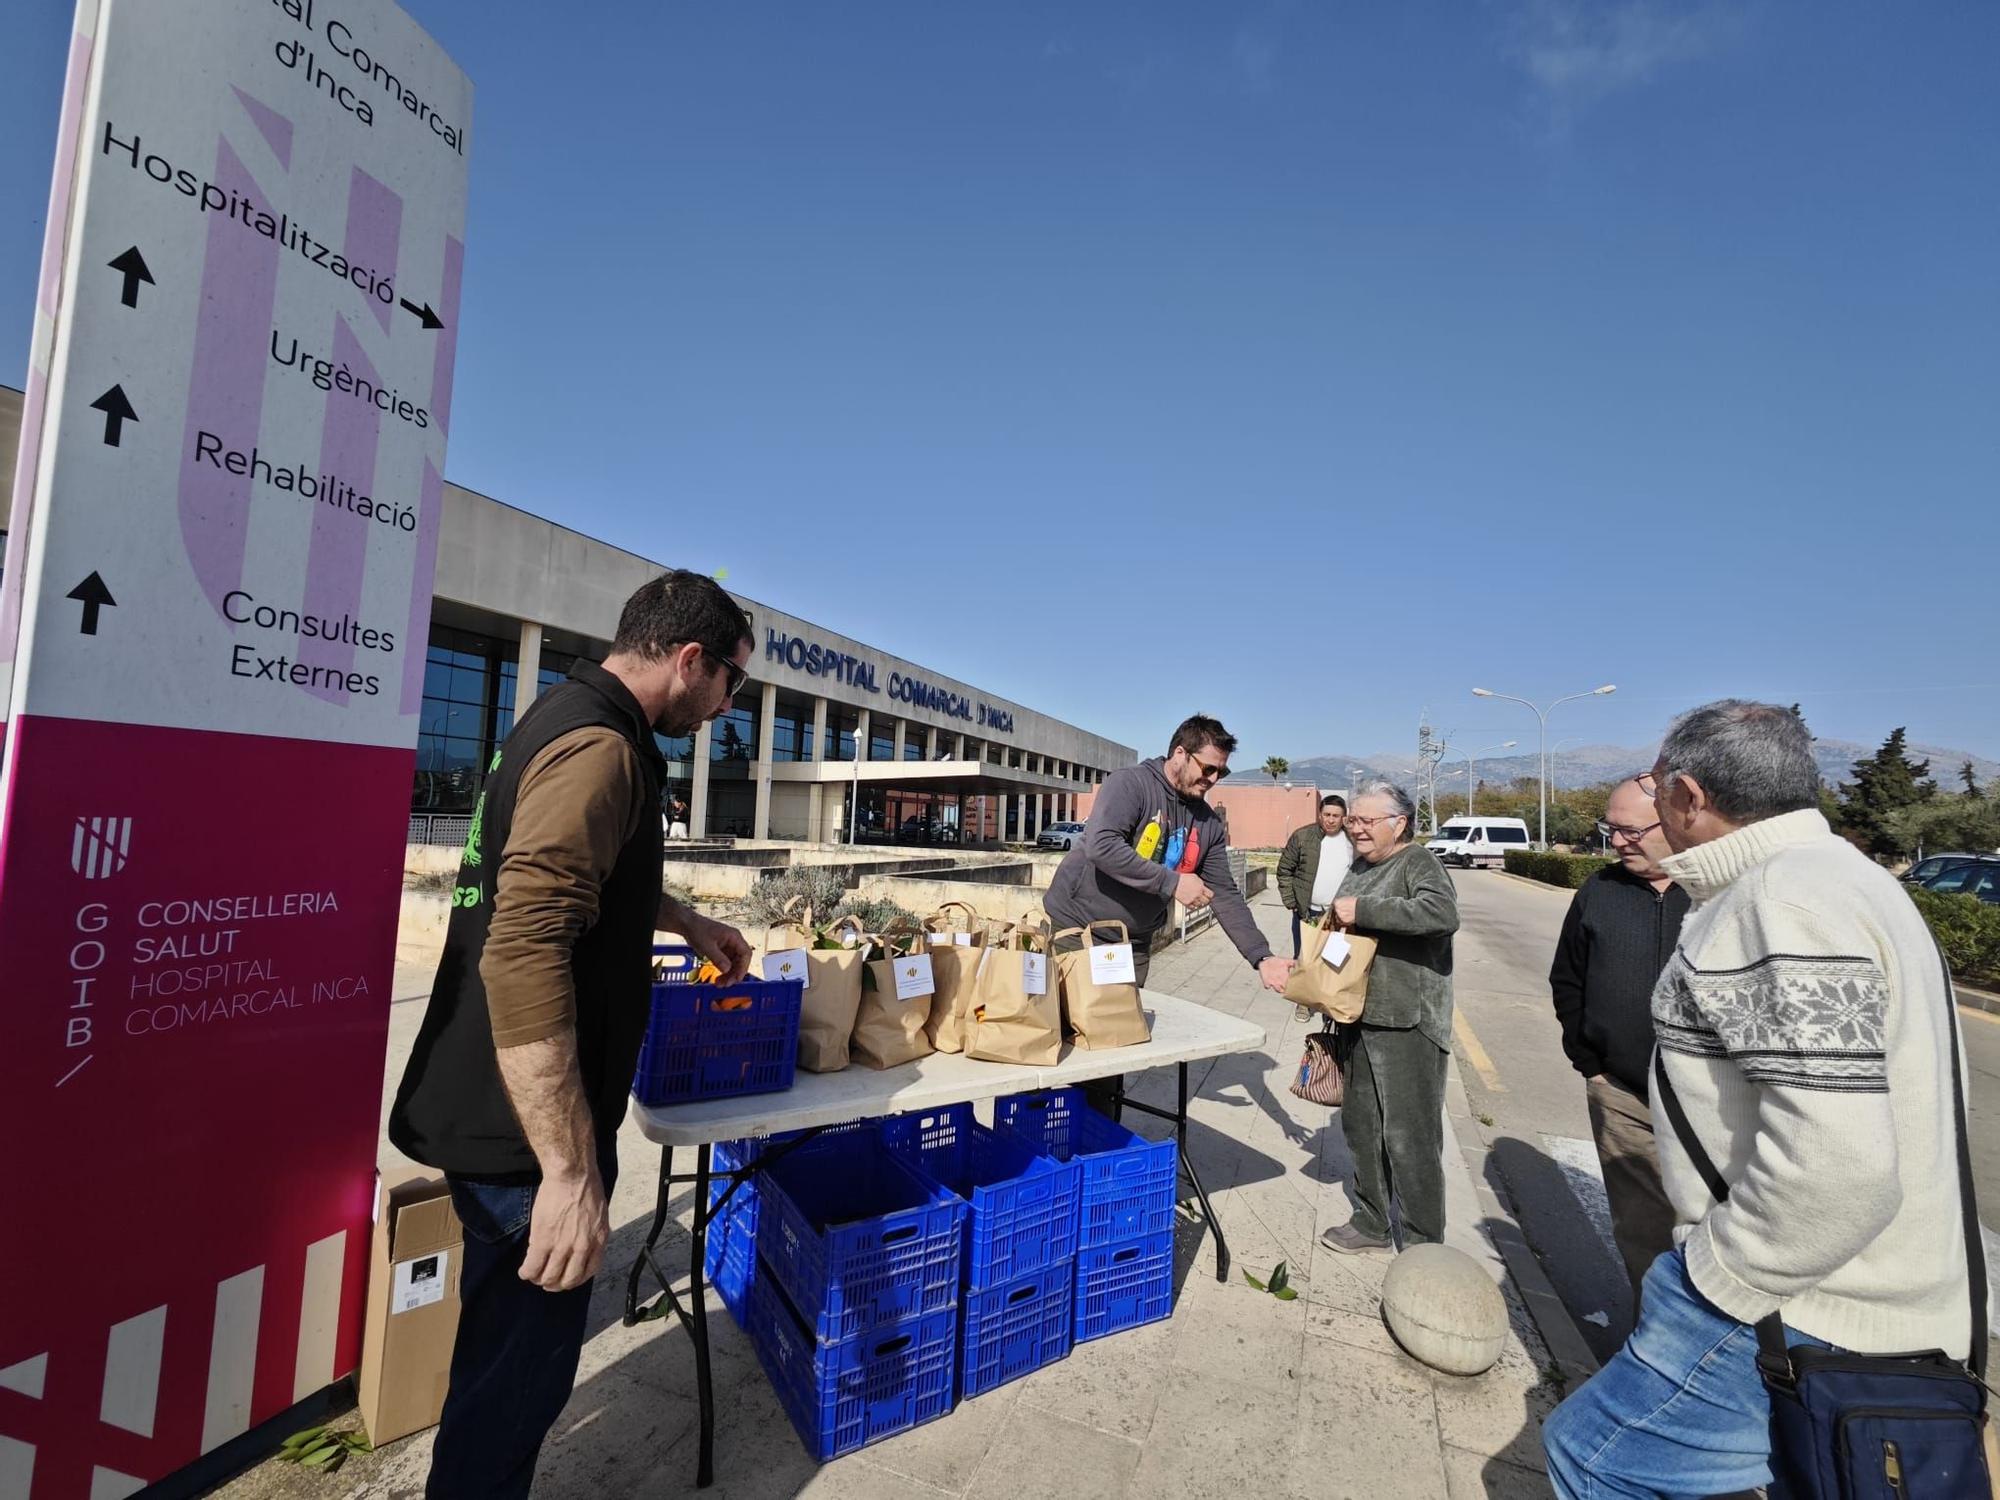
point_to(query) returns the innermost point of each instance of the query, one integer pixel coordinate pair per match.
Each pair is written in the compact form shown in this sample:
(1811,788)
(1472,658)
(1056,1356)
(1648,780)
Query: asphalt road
(1510,1051)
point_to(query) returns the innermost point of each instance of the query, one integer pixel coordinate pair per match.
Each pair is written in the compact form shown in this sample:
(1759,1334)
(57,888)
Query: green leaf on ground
(1286,1293)
(1255,1282)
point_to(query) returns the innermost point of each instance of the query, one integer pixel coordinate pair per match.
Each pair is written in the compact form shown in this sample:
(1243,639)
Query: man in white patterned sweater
(1803,1024)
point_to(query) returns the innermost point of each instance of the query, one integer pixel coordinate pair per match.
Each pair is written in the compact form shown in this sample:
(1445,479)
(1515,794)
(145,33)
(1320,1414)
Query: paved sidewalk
(1238,1394)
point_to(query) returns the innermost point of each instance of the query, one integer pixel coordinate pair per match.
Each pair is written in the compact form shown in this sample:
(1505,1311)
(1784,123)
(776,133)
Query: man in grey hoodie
(1103,878)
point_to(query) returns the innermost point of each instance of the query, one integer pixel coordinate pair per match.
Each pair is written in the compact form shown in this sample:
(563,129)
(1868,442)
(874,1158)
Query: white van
(1478,840)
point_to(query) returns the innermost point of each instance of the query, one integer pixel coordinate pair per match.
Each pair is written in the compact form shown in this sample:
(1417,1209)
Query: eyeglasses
(1355,820)
(1630,835)
(1209,771)
(737,675)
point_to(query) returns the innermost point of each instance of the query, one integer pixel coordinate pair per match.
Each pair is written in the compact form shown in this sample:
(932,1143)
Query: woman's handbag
(1319,1078)
(1871,1426)
(1336,986)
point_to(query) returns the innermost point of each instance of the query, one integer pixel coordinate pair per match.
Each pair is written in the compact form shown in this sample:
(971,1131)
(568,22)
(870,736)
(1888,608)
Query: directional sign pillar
(213,620)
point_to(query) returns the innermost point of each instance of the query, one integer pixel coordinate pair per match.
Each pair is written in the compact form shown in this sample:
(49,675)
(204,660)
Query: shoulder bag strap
(1771,1350)
(1975,1245)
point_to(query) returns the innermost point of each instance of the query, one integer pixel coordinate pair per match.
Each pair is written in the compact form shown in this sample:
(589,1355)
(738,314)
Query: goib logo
(99,847)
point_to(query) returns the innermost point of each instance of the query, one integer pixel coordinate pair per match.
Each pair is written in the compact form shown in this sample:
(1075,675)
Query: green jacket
(1298,868)
(1408,904)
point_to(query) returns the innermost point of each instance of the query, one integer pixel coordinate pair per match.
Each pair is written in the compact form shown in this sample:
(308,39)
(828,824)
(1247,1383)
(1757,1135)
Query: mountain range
(1588,765)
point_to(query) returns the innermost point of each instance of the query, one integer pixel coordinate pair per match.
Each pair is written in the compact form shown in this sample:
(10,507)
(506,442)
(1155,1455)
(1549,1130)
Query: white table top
(1182,1032)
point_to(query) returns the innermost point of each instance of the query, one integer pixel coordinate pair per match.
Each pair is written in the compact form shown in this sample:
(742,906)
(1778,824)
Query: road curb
(1540,885)
(1558,1329)
(1972,999)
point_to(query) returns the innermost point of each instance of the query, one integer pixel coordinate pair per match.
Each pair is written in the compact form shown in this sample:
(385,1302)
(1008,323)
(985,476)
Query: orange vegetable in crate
(733,1002)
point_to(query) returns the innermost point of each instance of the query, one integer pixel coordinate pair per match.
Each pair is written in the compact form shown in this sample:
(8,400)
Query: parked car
(1978,876)
(1927,869)
(1478,840)
(1059,836)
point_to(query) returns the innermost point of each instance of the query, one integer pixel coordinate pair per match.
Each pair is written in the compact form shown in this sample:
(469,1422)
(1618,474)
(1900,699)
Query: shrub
(1969,932)
(1566,870)
(820,886)
(875,913)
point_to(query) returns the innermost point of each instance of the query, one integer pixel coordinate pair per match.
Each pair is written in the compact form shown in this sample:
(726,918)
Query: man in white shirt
(1315,861)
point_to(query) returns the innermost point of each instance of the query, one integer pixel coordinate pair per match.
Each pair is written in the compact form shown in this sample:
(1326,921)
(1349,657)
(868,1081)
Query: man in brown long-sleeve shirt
(517,1082)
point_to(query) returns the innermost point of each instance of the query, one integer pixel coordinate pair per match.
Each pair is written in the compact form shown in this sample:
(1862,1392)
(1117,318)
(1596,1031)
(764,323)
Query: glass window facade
(458,724)
(882,739)
(841,725)
(792,730)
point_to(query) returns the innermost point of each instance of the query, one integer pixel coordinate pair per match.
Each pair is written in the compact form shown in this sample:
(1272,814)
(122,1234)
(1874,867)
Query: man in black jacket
(1619,934)
(518,1079)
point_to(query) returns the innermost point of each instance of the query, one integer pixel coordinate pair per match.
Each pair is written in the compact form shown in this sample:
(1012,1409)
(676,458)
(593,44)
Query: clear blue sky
(1306,363)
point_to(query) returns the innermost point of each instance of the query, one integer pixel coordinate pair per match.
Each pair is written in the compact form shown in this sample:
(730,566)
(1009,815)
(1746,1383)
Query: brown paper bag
(1339,992)
(952,966)
(1007,1023)
(1096,1015)
(889,1029)
(833,985)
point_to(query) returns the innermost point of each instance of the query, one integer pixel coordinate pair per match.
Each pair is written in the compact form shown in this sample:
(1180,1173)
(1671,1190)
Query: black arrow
(133,264)
(117,412)
(93,596)
(429,318)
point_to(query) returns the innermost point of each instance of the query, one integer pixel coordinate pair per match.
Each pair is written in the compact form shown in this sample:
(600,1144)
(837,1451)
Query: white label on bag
(1035,973)
(939,939)
(913,977)
(1336,950)
(962,939)
(788,963)
(1111,963)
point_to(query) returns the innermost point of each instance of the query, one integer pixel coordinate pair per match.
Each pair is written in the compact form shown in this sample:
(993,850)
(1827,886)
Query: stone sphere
(1444,1309)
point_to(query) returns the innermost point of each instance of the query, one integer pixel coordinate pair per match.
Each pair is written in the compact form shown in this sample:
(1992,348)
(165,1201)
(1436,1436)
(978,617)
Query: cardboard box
(413,1273)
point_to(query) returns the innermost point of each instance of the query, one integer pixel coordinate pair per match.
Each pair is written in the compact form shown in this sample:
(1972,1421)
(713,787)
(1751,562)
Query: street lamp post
(1542,715)
(1472,755)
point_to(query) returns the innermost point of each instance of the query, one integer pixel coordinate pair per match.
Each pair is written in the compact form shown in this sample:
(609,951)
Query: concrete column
(819,743)
(931,743)
(527,668)
(760,769)
(897,744)
(864,731)
(698,797)
(1020,816)
(816,813)
(960,753)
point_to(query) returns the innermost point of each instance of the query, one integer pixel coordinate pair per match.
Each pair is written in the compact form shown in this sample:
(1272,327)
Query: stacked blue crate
(1125,1247)
(1018,1257)
(853,1305)
(729,1259)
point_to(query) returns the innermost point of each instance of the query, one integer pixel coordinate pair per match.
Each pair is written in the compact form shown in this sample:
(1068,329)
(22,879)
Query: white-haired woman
(1397,893)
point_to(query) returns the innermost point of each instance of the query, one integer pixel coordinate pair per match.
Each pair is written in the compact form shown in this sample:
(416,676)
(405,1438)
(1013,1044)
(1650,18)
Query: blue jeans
(515,1360)
(1679,1411)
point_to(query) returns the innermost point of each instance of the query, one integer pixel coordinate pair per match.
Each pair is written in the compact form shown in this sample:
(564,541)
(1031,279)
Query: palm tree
(1277,767)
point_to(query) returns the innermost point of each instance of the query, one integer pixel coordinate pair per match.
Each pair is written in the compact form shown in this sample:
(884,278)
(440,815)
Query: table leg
(645,1255)
(704,1474)
(1201,1194)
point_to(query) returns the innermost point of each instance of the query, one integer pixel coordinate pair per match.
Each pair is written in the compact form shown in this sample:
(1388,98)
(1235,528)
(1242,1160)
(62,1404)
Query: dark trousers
(1394,1123)
(515,1360)
(1298,928)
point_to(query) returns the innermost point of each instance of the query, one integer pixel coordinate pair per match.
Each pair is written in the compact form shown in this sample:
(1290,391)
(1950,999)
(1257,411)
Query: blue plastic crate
(729,1258)
(857,1237)
(1015,1329)
(1129,1182)
(1023,1204)
(703,1041)
(1121,1286)
(844,1396)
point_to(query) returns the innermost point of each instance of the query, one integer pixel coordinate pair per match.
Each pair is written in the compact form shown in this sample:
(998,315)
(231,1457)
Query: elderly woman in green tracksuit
(1398,894)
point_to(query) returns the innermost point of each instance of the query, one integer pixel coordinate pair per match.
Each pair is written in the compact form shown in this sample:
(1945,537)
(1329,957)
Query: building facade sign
(824,660)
